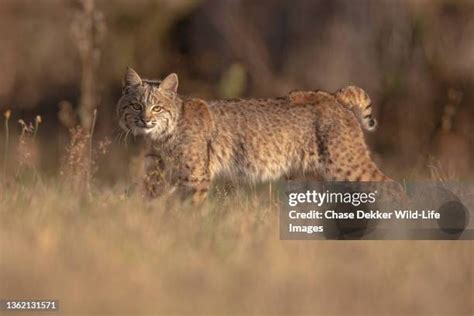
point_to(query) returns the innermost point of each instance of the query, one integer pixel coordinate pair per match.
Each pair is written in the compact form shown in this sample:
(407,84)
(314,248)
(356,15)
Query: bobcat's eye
(157,109)
(136,106)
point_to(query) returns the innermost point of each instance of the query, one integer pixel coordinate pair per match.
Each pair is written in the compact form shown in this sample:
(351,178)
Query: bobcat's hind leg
(348,159)
(352,163)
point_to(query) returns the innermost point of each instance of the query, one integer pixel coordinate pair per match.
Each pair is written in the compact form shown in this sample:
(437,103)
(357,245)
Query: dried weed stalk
(80,161)
(75,163)
(7,115)
(27,150)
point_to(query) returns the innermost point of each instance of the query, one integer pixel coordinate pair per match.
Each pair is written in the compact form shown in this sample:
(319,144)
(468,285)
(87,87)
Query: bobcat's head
(148,107)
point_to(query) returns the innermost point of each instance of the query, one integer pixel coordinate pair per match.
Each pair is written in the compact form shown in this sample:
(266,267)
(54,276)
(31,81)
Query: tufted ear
(131,78)
(170,83)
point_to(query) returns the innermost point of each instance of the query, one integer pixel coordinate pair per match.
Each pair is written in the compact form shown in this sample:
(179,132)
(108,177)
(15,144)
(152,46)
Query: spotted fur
(352,97)
(191,141)
(358,101)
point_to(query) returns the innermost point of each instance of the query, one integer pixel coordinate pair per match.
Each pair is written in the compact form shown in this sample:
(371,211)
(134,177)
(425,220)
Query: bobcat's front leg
(188,179)
(154,182)
(195,190)
(192,152)
(193,182)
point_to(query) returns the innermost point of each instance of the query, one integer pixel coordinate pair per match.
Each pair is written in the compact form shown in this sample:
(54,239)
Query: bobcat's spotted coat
(191,141)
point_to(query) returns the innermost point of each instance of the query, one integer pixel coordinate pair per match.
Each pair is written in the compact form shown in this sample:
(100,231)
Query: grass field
(113,253)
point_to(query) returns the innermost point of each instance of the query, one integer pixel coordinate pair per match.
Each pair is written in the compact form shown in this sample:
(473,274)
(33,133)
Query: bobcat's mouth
(138,129)
(143,130)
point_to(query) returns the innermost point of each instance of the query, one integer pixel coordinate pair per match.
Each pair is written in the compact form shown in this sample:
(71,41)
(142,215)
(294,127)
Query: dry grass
(102,249)
(114,254)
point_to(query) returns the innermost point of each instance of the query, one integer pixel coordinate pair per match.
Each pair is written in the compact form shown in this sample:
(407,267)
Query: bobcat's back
(264,139)
(352,97)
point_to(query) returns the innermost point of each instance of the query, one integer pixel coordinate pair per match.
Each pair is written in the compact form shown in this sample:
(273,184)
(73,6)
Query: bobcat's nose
(150,124)
(147,119)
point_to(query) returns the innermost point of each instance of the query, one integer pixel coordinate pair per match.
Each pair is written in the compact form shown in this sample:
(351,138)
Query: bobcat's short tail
(359,102)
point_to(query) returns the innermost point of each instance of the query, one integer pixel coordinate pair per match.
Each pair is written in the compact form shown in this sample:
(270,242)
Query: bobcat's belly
(249,172)
(257,165)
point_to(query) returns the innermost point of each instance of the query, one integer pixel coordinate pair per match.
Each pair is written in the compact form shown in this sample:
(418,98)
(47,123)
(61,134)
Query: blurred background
(63,59)
(105,250)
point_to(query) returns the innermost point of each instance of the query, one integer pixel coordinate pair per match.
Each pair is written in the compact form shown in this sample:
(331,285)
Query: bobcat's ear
(131,78)
(170,83)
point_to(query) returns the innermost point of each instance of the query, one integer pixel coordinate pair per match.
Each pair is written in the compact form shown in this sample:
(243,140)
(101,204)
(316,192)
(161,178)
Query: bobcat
(190,142)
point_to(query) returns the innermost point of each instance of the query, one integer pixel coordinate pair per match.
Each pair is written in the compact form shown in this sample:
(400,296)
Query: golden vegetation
(107,250)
